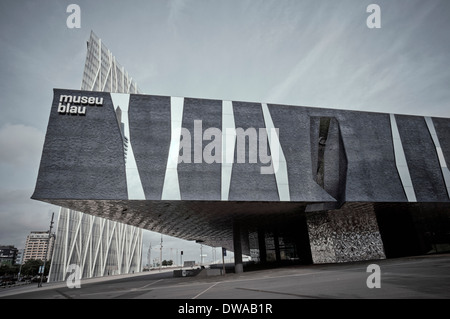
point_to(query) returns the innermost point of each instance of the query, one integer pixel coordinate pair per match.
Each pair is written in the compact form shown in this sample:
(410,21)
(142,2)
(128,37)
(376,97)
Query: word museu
(348,185)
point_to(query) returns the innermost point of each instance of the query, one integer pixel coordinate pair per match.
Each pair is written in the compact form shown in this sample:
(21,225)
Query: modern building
(39,245)
(102,72)
(98,246)
(282,182)
(8,255)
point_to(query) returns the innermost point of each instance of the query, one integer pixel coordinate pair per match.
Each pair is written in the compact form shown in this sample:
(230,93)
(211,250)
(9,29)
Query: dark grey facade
(349,185)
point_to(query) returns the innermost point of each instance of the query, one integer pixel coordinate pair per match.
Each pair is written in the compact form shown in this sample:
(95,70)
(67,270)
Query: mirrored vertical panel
(134,184)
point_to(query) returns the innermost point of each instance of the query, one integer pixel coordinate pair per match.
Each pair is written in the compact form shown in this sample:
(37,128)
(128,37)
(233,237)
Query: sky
(317,53)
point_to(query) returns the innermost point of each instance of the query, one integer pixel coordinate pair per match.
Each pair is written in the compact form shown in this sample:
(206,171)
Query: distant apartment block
(38,246)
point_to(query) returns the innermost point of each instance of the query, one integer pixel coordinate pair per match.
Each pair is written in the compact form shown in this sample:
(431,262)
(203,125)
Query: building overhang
(188,167)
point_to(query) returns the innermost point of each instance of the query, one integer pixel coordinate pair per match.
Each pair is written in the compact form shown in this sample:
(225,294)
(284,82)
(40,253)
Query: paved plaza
(421,277)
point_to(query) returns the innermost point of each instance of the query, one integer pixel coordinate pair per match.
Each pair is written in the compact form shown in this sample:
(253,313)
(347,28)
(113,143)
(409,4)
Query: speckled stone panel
(348,234)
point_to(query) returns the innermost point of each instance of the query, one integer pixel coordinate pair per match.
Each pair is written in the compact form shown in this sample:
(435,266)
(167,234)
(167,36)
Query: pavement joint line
(152,283)
(63,294)
(122,291)
(190,284)
(264,277)
(201,293)
(259,278)
(274,277)
(279,293)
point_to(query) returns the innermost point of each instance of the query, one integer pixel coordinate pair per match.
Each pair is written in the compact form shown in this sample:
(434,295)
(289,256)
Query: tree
(31,267)
(8,270)
(167,262)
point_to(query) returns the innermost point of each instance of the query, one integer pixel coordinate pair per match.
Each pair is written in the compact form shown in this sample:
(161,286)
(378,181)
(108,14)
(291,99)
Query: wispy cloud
(20,145)
(20,215)
(343,64)
(176,11)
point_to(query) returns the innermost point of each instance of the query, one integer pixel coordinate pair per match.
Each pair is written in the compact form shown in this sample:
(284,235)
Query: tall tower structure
(98,246)
(102,72)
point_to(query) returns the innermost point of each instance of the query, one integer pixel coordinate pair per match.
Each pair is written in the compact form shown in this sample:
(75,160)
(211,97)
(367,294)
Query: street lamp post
(46,251)
(21,263)
(160,254)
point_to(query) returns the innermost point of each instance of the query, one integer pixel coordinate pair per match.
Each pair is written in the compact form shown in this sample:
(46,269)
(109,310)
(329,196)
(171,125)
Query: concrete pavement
(421,277)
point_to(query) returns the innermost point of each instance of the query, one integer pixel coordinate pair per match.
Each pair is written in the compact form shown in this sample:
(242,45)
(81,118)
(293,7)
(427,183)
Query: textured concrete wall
(247,182)
(83,154)
(422,158)
(442,127)
(371,170)
(198,179)
(295,132)
(150,134)
(82,157)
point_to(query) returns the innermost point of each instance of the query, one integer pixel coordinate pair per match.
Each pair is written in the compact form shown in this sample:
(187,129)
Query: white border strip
(171,188)
(228,145)
(400,161)
(278,160)
(440,154)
